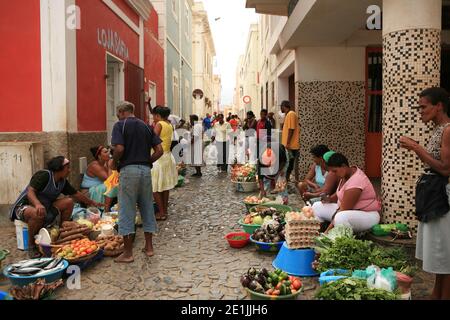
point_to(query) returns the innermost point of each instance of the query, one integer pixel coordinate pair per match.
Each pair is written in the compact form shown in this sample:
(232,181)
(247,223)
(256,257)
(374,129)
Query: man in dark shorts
(39,204)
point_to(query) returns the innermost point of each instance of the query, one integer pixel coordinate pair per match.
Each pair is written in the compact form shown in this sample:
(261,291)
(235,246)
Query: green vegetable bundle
(353,254)
(346,253)
(352,289)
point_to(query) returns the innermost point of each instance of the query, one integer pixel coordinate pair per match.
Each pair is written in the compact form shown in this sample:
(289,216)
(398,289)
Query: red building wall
(91,60)
(20,66)
(154,58)
(128,11)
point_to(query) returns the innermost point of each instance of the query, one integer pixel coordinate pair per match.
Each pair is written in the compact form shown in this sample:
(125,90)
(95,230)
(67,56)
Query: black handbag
(431,196)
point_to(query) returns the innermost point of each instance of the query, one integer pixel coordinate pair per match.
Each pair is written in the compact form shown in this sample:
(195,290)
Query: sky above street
(230,22)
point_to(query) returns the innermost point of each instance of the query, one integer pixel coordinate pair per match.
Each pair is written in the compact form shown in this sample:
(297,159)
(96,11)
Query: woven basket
(112,253)
(81,259)
(48,250)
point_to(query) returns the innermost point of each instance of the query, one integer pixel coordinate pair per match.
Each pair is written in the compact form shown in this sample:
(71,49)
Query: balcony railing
(291,7)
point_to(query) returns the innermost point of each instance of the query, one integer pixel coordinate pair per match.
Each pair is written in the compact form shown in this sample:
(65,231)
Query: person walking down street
(196,145)
(250,125)
(263,137)
(133,141)
(220,134)
(39,204)
(433,235)
(207,122)
(164,171)
(290,137)
(271,117)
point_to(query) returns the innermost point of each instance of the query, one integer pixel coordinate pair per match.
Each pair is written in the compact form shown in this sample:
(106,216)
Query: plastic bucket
(249,228)
(295,262)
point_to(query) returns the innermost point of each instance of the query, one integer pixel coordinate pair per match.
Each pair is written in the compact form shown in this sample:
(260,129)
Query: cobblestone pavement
(192,259)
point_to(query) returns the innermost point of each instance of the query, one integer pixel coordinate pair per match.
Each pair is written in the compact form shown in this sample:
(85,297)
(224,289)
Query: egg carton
(301,235)
(299,244)
(309,222)
(290,229)
(309,227)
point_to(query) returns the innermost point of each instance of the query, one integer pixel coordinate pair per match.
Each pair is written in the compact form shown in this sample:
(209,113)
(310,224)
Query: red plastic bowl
(238,243)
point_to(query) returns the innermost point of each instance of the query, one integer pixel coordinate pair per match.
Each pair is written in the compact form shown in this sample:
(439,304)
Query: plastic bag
(385,279)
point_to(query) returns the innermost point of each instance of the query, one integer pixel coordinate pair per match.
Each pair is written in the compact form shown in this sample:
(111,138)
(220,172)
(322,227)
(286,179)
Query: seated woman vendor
(357,203)
(319,180)
(96,174)
(39,204)
(273,173)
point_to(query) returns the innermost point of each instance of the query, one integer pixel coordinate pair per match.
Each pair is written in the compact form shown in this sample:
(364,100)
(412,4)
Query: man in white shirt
(196,145)
(221,130)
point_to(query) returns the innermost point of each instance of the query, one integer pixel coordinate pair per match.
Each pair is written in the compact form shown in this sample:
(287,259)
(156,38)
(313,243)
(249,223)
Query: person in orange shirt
(290,137)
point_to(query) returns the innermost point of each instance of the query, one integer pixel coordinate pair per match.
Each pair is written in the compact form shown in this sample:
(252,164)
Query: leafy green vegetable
(352,289)
(346,253)
(325,241)
(352,254)
(395,257)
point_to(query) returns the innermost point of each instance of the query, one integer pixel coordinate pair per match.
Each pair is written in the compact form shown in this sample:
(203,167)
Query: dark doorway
(292,89)
(135,92)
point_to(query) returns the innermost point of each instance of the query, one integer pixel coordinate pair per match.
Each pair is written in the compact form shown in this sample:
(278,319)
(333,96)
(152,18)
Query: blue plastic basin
(268,247)
(23,281)
(296,262)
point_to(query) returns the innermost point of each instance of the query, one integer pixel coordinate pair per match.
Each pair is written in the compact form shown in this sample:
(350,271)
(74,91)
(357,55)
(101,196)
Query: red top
(234,124)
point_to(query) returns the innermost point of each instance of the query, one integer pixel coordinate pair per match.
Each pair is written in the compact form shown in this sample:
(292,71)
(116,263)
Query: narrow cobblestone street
(192,259)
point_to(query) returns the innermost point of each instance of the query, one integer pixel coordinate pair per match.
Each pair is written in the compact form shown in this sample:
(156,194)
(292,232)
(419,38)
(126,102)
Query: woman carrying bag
(432,190)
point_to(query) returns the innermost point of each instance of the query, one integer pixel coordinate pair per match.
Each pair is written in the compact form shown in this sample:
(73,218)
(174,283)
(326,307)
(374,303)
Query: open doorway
(115,90)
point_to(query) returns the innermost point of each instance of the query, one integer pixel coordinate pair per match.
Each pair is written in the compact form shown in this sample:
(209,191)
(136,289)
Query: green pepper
(282,290)
(274,280)
(288,290)
(287,283)
(284,275)
(278,271)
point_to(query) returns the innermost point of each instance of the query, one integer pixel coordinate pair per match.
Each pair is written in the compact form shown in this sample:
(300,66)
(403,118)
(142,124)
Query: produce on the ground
(269,233)
(238,238)
(325,241)
(260,215)
(77,249)
(301,229)
(70,231)
(36,267)
(395,257)
(256,200)
(346,253)
(277,283)
(243,173)
(352,289)
(352,254)
(86,222)
(98,226)
(35,291)
(110,243)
